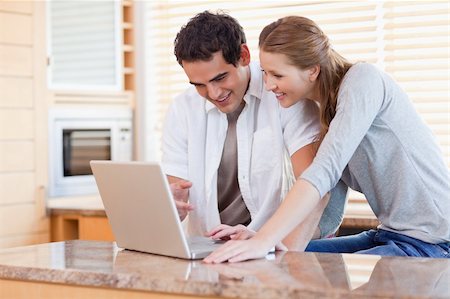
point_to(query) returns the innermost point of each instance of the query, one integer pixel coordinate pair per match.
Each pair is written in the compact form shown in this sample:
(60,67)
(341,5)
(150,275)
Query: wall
(22,124)
(24,104)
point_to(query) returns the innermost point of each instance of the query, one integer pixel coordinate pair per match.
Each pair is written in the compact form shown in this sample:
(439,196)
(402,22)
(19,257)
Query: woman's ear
(314,73)
(245,55)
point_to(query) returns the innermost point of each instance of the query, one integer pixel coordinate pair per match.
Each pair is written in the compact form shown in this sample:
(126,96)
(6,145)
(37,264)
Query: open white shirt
(193,140)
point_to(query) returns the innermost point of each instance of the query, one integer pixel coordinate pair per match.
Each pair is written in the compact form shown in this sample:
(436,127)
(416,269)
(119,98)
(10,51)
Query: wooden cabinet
(73,226)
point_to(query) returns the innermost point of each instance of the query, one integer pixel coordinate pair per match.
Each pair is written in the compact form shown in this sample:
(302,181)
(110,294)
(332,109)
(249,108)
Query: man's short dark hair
(208,33)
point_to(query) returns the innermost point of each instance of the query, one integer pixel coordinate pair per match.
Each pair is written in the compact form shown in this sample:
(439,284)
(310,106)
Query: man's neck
(235,114)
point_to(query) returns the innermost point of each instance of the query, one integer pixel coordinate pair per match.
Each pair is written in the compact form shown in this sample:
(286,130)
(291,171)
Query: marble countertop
(280,275)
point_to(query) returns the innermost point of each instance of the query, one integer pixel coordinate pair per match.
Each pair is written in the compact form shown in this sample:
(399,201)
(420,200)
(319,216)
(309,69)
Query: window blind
(84,45)
(417,55)
(410,40)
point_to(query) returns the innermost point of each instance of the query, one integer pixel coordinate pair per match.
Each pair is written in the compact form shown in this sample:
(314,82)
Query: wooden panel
(21,35)
(16,188)
(16,156)
(16,92)
(23,289)
(95,228)
(15,60)
(64,227)
(18,6)
(16,124)
(22,219)
(23,240)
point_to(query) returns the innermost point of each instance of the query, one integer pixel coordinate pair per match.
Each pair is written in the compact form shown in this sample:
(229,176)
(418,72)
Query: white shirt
(193,140)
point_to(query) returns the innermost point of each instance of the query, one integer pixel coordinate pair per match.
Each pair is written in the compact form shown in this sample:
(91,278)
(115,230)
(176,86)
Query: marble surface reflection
(280,275)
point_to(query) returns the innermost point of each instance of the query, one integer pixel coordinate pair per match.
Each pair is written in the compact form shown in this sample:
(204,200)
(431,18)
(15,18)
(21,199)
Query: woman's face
(289,83)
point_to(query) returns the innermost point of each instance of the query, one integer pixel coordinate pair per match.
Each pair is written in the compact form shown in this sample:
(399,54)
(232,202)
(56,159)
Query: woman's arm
(299,203)
(299,238)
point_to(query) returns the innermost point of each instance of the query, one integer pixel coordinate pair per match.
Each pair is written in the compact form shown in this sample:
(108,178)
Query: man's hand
(237,232)
(180,192)
(227,232)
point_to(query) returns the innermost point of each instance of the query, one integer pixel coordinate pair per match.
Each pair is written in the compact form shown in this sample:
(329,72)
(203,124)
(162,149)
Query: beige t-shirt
(232,209)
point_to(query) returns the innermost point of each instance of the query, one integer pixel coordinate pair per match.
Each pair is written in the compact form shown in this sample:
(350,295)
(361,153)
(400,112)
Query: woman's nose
(269,84)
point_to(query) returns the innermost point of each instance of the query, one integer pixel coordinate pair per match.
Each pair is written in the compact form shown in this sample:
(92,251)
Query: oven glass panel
(80,146)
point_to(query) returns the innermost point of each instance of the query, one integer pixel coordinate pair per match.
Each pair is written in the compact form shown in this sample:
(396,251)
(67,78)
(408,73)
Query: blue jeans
(380,242)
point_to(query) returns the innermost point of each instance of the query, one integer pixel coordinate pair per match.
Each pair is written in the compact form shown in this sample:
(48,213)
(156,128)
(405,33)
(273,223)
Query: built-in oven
(78,136)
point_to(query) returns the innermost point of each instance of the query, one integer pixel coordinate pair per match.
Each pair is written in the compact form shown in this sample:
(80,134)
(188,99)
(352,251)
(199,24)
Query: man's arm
(174,154)
(180,192)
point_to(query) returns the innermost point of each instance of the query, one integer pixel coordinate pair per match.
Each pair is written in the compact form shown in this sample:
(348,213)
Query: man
(226,138)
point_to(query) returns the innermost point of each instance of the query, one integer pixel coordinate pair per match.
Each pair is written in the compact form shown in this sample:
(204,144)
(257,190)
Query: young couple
(342,125)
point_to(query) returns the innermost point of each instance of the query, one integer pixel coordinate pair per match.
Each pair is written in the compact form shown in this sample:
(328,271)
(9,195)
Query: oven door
(80,146)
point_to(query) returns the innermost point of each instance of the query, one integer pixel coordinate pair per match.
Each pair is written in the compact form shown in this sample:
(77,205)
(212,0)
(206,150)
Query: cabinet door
(95,228)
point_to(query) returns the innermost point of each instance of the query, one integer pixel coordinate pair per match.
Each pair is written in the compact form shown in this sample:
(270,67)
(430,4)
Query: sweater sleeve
(359,100)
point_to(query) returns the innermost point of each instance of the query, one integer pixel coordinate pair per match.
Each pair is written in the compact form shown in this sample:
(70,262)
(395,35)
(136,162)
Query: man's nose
(214,92)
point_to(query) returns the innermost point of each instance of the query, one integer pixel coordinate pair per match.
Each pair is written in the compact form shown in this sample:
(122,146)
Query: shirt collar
(254,90)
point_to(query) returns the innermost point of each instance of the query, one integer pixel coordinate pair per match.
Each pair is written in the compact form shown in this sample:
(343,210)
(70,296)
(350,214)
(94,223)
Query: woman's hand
(239,250)
(227,232)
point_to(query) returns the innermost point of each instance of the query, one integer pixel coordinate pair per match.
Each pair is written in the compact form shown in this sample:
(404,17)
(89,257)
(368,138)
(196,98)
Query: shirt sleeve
(359,100)
(174,142)
(300,125)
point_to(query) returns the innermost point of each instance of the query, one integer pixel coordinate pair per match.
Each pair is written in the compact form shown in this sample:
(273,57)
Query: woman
(372,140)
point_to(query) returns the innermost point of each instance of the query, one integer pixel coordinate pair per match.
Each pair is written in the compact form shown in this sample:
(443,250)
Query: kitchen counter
(78,218)
(85,218)
(89,269)
(86,206)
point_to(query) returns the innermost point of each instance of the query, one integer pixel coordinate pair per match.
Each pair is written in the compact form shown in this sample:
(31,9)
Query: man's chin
(225,108)
(229,108)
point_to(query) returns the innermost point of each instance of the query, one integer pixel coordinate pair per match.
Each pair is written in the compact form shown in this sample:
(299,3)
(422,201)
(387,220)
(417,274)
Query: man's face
(219,82)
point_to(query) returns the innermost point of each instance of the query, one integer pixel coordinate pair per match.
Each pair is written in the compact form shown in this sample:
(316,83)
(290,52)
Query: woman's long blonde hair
(305,45)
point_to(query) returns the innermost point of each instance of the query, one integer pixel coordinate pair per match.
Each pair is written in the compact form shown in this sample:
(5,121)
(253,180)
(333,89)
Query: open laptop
(142,212)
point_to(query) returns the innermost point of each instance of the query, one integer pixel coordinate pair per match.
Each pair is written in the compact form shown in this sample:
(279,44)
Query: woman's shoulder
(363,69)
(361,74)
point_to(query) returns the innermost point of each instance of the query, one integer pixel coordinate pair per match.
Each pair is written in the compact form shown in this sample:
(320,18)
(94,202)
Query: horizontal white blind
(410,40)
(84,45)
(417,37)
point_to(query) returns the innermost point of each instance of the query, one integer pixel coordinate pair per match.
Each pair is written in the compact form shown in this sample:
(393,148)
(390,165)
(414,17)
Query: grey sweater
(377,144)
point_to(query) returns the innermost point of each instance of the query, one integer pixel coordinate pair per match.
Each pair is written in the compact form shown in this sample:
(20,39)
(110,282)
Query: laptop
(142,212)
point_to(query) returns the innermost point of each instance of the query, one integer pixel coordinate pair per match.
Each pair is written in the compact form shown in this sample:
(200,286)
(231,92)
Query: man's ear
(314,73)
(245,55)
